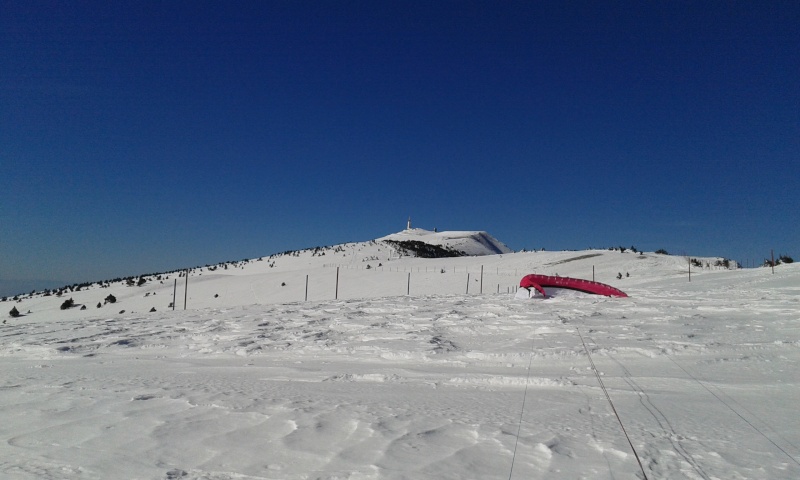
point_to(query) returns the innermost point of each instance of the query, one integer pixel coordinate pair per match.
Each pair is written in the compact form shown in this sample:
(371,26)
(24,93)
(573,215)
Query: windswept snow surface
(442,383)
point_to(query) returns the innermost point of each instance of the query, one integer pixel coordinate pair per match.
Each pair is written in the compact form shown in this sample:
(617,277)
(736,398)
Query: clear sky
(138,137)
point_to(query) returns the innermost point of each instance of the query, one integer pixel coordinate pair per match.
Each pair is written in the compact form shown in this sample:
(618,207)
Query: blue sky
(138,137)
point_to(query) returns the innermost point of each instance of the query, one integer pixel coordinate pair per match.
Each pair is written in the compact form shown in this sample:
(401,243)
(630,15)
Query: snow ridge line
(608,397)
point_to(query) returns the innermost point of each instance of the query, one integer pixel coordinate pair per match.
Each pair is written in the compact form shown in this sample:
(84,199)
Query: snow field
(430,385)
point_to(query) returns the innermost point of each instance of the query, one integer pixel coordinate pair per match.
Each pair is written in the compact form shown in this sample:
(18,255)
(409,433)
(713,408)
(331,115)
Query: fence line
(429,269)
(433,280)
(338,285)
(442,280)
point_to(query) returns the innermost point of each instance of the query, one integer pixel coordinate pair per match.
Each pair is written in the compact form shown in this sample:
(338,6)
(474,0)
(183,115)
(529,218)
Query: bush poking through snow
(68,304)
(781,259)
(110,299)
(14,312)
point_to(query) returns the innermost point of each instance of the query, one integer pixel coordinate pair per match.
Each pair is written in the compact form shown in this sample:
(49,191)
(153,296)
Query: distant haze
(14,287)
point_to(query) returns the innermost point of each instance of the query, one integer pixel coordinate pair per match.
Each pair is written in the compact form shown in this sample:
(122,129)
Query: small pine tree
(14,312)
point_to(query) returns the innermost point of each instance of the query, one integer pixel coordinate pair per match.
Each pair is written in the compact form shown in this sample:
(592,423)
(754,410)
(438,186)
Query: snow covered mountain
(357,362)
(376,268)
(471,243)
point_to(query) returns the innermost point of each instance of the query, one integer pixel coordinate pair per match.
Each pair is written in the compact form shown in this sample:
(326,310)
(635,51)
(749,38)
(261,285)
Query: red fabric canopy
(540,281)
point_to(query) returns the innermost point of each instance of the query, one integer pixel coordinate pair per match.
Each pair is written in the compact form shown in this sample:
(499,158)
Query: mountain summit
(471,243)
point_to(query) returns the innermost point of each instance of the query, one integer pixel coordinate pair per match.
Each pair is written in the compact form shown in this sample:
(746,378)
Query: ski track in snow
(409,387)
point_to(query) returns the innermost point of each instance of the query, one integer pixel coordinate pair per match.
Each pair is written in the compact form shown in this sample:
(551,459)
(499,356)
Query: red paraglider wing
(540,281)
(536,286)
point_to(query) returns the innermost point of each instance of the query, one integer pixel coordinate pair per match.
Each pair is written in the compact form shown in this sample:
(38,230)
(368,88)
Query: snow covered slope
(350,271)
(257,383)
(471,243)
(358,270)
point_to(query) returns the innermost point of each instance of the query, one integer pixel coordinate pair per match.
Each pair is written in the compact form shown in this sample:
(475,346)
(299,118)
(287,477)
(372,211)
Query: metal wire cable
(608,397)
(734,411)
(522,411)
